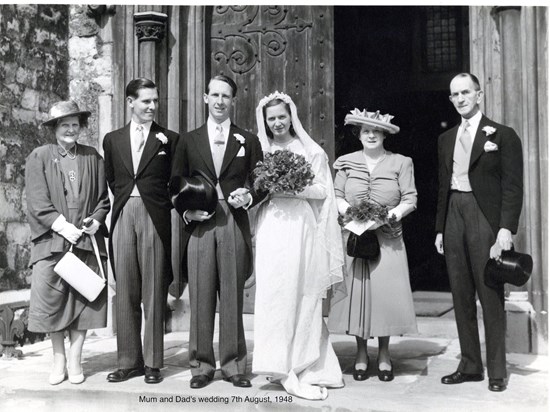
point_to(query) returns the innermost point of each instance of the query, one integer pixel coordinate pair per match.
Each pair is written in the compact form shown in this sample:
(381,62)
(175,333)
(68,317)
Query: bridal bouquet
(283,171)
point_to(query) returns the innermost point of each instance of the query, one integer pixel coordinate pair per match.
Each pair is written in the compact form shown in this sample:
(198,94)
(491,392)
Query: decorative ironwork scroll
(237,44)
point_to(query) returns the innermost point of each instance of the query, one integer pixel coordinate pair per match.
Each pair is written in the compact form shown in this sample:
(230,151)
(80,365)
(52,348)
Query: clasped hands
(237,198)
(71,232)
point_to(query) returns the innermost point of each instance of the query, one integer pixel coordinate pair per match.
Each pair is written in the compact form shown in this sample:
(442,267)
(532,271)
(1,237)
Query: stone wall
(47,53)
(33,75)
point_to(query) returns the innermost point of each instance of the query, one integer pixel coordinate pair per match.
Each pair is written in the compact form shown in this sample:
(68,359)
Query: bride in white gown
(298,257)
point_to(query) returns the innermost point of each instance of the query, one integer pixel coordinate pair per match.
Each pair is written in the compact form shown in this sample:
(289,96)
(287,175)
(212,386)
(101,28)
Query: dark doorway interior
(400,60)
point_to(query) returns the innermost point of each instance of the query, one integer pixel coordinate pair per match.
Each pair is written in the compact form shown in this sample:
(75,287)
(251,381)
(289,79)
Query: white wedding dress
(291,341)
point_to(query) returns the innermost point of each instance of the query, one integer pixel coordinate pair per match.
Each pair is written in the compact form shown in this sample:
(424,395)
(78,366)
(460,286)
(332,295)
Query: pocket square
(161,153)
(240,153)
(490,147)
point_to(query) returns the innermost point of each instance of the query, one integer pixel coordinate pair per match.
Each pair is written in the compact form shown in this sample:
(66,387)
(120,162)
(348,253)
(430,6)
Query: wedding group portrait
(255,207)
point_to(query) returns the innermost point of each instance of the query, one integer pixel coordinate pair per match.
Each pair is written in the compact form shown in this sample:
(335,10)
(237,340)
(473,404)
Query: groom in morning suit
(479,204)
(218,251)
(138,161)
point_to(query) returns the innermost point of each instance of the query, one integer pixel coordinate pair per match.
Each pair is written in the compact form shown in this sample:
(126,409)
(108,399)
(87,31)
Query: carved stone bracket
(236,42)
(11,329)
(150,26)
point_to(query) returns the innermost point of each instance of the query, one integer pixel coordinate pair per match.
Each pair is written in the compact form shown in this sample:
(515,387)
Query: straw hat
(373,119)
(63,109)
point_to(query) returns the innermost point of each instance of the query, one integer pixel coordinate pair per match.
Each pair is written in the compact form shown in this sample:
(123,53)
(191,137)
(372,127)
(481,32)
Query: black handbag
(364,246)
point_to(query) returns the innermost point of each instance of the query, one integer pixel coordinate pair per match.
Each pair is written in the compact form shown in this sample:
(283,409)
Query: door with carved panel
(284,48)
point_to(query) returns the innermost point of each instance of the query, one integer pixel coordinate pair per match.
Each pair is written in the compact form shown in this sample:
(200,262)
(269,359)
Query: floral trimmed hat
(374,119)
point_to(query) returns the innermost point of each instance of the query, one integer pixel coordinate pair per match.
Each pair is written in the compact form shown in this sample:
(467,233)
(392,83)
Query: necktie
(466,138)
(219,138)
(139,138)
(218,152)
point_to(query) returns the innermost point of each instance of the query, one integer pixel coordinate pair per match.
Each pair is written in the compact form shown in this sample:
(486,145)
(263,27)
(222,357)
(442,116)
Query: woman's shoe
(361,374)
(77,378)
(56,379)
(384,375)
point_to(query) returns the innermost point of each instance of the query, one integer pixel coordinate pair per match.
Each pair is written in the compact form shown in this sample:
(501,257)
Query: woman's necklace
(71,156)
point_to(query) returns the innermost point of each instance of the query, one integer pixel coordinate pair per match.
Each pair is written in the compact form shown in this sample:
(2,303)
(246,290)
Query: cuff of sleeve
(245,207)
(185,220)
(59,223)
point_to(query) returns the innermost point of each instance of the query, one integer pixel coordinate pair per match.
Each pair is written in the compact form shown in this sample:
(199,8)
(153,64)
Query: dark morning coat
(194,154)
(496,176)
(46,199)
(151,178)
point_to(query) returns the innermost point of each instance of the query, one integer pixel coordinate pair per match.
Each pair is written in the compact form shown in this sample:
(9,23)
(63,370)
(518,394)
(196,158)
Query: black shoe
(152,375)
(360,374)
(200,381)
(385,375)
(459,377)
(238,380)
(121,375)
(497,385)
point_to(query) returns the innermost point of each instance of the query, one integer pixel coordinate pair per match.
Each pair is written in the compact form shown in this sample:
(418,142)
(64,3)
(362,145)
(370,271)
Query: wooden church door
(283,48)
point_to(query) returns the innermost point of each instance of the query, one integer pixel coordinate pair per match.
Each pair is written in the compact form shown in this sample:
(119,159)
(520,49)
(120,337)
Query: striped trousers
(140,265)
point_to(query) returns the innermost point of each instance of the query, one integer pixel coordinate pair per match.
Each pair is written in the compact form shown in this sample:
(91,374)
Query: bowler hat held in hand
(514,268)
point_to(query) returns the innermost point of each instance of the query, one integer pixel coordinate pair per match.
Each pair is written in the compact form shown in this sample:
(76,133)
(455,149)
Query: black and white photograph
(303,207)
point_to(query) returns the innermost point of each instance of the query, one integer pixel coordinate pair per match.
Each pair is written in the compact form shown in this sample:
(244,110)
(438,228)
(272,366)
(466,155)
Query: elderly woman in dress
(298,257)
(375,299)
(67,202)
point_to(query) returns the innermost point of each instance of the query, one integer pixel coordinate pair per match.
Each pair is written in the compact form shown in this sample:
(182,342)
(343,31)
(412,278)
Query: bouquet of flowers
(283,171)
(366,211)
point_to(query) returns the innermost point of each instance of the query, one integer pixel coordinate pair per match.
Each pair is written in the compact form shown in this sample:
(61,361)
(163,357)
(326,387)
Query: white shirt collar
(211,124)
(473,121)
(146,127)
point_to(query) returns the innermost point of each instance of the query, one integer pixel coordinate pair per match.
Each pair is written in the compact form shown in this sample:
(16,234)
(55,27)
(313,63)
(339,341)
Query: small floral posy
(162,137)
(489,130)
(365,211)
(283,171)
(239,137)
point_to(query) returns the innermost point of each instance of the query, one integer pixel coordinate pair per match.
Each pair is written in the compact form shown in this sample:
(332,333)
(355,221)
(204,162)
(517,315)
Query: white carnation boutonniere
(241,139)
(162,137)
(489,130)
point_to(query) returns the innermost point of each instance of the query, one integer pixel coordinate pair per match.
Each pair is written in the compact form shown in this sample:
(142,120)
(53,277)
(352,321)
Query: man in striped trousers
(138,160)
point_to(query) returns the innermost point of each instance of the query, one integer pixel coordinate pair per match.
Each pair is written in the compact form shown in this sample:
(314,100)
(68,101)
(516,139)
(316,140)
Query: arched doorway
(400,60)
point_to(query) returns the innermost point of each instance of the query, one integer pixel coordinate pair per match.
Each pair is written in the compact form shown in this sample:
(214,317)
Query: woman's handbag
(364,246)
(77,274)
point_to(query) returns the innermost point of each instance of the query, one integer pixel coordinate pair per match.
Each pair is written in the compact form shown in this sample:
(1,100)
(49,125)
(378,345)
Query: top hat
(514,268)
(63,109)
(193,193)
(374,120)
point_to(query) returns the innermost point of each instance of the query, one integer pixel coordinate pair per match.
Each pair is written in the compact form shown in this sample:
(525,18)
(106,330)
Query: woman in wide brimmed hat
(67,202)
(375,299)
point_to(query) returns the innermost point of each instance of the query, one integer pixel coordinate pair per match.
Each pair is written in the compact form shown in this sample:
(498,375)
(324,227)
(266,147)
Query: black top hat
(514,268)
(193,193)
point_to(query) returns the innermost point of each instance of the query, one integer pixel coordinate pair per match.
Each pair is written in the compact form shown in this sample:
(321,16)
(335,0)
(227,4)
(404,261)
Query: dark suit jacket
(193,153)
(152,176)
(46,199)
(496,176)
